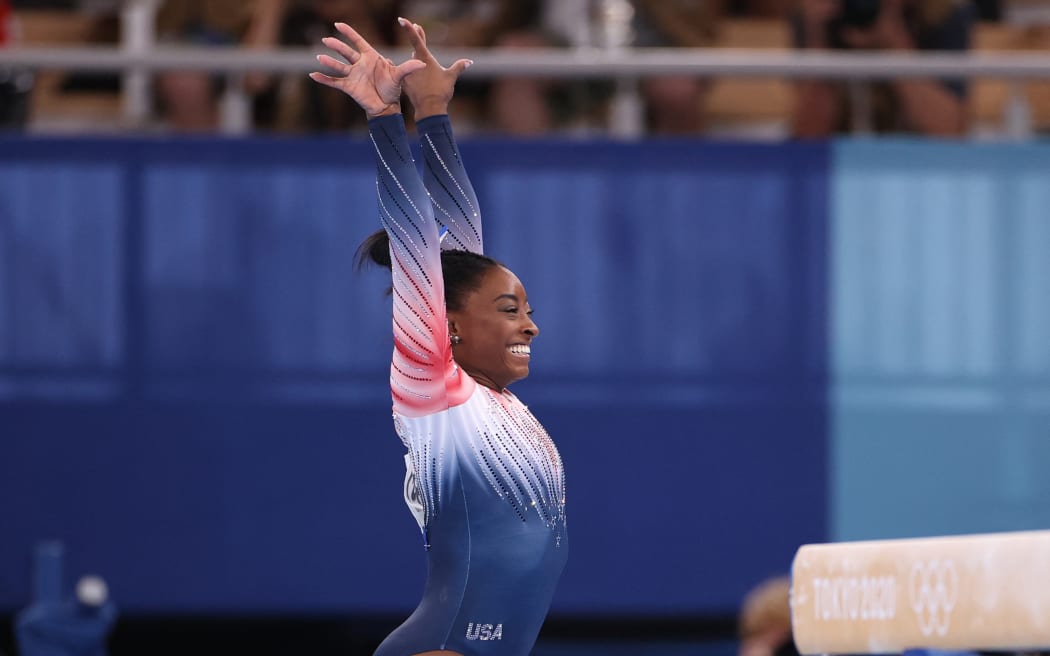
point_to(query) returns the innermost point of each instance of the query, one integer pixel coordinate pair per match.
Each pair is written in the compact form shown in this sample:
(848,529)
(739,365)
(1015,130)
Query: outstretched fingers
(459,66)
(334,64)
(342,48)
(326,80)
(417,38)
(418,29)
(371,79)
(356,40)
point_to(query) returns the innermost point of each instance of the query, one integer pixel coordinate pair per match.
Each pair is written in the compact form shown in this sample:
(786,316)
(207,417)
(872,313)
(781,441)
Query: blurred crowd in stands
(673,105)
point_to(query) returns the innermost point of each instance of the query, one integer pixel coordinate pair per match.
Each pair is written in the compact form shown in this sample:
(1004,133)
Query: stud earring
(455,339)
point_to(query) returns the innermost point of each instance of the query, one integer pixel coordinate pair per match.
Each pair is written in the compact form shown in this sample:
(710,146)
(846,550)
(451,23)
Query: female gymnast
(484,479)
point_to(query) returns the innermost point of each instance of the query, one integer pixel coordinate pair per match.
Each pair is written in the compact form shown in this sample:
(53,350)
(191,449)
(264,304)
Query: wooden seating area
(734,104)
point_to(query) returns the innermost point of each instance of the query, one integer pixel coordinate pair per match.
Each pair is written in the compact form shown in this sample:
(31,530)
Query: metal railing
(140,60)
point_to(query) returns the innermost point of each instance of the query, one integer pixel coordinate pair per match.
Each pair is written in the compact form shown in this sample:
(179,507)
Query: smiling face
(495,330)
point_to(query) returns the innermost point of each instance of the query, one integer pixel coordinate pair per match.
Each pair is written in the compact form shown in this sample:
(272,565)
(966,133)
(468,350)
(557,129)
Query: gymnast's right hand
(371,79)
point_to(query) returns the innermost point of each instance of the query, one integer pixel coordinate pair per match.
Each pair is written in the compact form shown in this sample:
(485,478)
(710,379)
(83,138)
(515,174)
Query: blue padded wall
(193,387)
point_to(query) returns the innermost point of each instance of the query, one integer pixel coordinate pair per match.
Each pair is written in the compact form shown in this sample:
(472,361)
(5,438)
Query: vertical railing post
(1017,117)
(235,107)
(862,122)
(137,37)
(615,33)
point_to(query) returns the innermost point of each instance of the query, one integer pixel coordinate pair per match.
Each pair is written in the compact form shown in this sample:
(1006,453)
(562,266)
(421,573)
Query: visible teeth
(521,349)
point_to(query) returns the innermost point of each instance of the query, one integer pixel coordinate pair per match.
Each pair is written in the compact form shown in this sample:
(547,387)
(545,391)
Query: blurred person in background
(188,101)
(674,104)
(291,103)
(529,106)
(928,107)
(464,23)
(764,624)
(15,84)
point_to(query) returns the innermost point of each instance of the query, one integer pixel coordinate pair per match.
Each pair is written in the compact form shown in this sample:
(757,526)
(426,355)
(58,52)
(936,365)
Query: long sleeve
(455,204)
(423,376)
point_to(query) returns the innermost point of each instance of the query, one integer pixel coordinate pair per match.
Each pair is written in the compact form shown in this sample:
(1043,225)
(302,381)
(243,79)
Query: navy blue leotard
(483,477)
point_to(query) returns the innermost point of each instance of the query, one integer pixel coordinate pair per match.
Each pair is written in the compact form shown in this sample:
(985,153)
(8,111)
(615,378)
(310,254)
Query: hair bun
(374,249)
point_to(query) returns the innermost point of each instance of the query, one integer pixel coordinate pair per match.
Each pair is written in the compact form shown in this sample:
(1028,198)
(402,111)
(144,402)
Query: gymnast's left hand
(431,89)
(372,80)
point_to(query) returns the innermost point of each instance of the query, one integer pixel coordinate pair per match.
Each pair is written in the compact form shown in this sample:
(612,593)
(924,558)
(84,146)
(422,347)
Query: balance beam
(966,592)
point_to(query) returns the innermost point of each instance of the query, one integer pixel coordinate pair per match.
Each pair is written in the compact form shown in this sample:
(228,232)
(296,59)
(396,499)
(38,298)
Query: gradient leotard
(486,479)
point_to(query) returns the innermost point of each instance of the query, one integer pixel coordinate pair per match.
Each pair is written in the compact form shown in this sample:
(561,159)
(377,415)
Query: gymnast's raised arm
(422,358)
(429,91)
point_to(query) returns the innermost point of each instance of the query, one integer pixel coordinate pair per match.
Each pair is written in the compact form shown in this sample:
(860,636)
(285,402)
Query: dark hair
(461,270)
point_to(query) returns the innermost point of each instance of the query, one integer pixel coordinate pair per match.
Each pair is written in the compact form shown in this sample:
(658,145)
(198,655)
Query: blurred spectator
(674,105)
(59,624)
(930,107)
(536,106)
(77,626)
(292,102)
(466,23)
(188,101)
(765,620)
(516,106)
(15,84)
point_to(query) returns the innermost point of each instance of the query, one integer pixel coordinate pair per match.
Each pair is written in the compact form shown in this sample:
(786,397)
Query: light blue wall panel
(939,339)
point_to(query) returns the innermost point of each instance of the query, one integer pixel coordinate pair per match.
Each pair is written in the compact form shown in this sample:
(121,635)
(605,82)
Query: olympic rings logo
(933,590)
